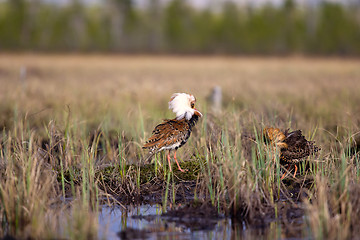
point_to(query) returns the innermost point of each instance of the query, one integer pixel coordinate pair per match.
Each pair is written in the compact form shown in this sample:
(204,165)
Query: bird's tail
(313,148)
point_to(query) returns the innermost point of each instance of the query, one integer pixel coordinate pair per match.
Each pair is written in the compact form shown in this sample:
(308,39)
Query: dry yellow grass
(92,84)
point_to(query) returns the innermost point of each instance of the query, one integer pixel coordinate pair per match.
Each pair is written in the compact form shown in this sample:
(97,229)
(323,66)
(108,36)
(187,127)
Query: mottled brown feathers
(171,134)
(168,133)
(298,147)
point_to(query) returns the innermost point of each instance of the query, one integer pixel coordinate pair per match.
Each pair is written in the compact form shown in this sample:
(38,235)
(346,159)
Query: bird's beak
(197,113)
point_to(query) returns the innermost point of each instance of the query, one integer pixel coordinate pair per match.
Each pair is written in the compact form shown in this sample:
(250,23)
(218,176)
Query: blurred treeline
(177,27)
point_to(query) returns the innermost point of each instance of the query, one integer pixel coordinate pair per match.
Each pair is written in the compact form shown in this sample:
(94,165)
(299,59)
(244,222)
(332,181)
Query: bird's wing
(167,133)
(293,154)
(295,139)
(298,146)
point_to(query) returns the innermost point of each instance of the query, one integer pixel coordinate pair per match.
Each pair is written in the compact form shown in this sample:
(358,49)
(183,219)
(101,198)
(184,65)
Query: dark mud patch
(288,217)
(195,215)
(295,189)
(134,184)
(154,192)
(131,233)
(288,208)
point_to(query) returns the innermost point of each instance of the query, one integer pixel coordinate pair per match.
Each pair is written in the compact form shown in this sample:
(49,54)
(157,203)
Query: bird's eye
(192,105)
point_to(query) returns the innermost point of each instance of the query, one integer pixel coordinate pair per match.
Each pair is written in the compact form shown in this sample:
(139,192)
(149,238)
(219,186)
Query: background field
(309,92)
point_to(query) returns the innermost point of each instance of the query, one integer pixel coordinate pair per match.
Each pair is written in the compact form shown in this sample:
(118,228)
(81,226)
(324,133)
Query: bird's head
(183,105)
(274,136)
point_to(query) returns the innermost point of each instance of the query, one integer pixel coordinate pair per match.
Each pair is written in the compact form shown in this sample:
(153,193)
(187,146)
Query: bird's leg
(287,170)
(168,158)
(178,163)
(295,170)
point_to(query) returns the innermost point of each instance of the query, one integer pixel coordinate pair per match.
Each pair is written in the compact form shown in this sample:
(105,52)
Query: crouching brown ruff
(293,146)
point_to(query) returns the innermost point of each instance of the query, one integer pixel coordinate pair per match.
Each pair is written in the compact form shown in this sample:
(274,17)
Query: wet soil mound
(195,215)
(131,233)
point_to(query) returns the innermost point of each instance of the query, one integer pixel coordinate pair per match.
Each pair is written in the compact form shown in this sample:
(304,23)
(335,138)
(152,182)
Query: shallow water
(148,217)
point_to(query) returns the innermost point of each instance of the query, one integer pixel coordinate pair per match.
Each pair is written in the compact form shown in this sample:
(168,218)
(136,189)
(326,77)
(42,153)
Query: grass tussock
(68,146)
(27,187)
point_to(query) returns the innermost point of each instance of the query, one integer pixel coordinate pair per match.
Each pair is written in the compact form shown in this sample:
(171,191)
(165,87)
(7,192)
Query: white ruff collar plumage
(180,104)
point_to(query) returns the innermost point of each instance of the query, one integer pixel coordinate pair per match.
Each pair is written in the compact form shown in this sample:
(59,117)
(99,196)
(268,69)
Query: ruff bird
(172,134)
(293,146)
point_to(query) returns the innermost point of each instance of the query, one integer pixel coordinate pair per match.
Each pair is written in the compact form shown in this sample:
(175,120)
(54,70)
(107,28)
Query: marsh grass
(333,206)
(31,194)
(71,139)
(26,189)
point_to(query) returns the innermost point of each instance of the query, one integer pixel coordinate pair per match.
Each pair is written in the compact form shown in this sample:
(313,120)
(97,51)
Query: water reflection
(148,219)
